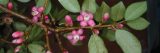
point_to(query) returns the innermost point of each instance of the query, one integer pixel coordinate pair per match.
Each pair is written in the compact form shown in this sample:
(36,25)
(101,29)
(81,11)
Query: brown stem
(59,42)
(47,39)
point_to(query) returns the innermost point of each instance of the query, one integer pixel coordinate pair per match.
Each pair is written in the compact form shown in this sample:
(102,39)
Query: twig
(59,42)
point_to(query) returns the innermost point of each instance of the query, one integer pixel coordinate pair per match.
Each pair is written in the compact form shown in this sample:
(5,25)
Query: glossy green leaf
(4,2)
(128,42)
(96,45)
(70,5)
(19,26)
(23,1)
(138,24)
(117,11)
(89,5)
(101,11)
(135,10)
(35,48)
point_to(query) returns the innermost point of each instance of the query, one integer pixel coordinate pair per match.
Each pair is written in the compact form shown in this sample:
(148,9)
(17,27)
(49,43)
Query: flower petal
(83,23)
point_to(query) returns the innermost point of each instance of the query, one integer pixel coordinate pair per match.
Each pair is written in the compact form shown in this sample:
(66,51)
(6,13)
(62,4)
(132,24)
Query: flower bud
(105,17)
(40,9)
(17,49)
(91,23)
(80,18)
(96,31)
(10,5)
(17,34)
(68,20)
(48,51)
(18,41)
(120,26)
(83,23)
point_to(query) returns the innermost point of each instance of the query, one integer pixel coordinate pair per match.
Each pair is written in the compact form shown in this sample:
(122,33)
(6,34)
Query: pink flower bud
(96,31)
(80,31)
(34,13)
(80,18)
(17,49)
(65,51)
(35,19)
(40,9)
(18,41)
(17,34)
(120,26)
(34,8)
(10,5)
(68,20)
(91,23)
(83,23)
(46,17)
(105,17)
(48,51)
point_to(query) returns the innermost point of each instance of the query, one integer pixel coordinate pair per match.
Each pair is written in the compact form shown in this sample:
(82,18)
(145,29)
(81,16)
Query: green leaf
(128,42)
(42,3)
(36,33)
(35,48)
(11,50)
(70,5)
(48,8)
(89,5)
(96,45)
(24,1)
(101,11)
(117,11)
(19,26)
(1,50)
(4,2)
(110,35)
(135,10)
(138,24)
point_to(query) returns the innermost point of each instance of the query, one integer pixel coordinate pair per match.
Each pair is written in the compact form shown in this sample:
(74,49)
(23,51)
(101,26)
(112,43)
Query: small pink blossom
(46,18)
(17,49)
(75,36)
(105,17)
(17,34)
(68,20)
(86,19)
(18,41)
(120,26)
(48,51)
(10,5)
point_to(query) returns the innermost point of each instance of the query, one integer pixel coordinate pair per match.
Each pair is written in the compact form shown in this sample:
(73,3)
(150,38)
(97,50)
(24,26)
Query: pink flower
(105,17)
(75,36)
(18,41)
(48,51)
(86,19)
(10,5)
(68,20)
(17,34)
(17,49)
(65,51)
(120,26)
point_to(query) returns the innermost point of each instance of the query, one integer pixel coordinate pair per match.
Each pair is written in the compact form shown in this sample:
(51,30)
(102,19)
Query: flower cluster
(36,12)
(75,36)
(85,19)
